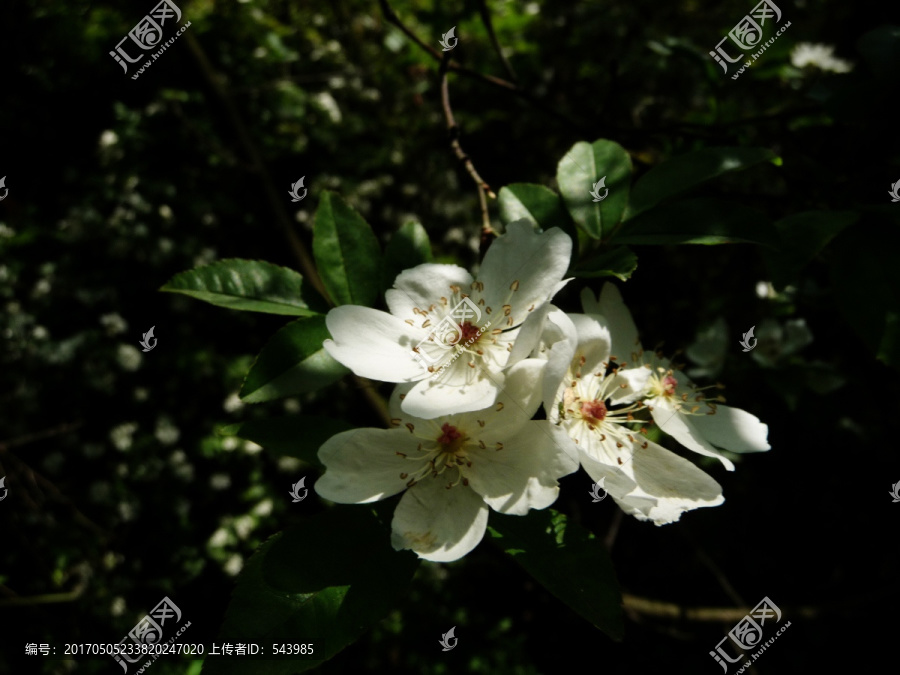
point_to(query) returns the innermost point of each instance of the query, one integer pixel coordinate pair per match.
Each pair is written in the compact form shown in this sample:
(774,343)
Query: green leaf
(538,205)
(868,293)
(881,50)
(686,171)
(804,236)
(407,248)
(324,582)
(293,362)
(347,253)
(699,221)
(618,262)
(248,285)
(580,169)
(567,560)
(298,436)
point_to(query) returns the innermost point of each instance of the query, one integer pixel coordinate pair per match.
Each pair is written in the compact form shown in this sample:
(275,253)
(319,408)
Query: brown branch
(453,129)
(39,435)
(498,82)
(276,203)
(670,610)
(613,529)
(48,485)
(14,600)
(367,388)
(489,26)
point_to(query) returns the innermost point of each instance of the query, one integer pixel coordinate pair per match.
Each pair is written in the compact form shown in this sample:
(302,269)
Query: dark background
(121,491)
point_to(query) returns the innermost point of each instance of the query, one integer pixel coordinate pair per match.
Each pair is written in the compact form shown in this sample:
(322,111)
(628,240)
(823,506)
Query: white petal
(529,334)
(423,286)
(681,427)
(518,398)
(374,344)
(559,339)
(630,384)
(589,303)
(667,486)
(615,481)
(361,465)
(624,333)
(594,343)
(732,429)
(438,397)
(536,261)
(523,475)
(439,524)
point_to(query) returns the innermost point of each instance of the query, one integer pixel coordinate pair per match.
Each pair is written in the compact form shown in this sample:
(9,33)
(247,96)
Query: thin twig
(39,435)
(613,529)
(14,600)
(48,485)
(724,583)
(670,610)
(391,16)
(453,129)
(489,26)
(367,387)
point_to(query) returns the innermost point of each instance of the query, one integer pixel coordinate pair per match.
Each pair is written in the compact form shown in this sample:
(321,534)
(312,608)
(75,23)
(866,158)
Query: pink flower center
(669,384)
(469,332)
(450,434)
(593,411)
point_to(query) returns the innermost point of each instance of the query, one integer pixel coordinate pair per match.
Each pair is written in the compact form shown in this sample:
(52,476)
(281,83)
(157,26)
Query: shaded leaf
(618,262)
(324,582)
(584,165)
(567,560)
(803,236)
(292,362)
(867,294)
(298,436)
(407,248)
(347,253)
(699,221)
(249,285)
(687,171)
(537,204)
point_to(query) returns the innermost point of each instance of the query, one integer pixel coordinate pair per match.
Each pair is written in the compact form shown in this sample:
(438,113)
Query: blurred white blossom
(113,323)
(129,357)
(121,435)
(819,55)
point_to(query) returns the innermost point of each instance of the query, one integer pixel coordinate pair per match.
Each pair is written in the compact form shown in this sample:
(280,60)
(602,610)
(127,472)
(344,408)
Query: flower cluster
(463,440)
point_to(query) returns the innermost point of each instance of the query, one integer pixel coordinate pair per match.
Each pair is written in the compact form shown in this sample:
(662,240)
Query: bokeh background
(121,488)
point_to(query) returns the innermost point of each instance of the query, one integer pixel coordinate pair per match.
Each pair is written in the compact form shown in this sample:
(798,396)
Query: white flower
(820,56)
(777,342)
(679,407)
(595,404)
(450,334)
(452,468)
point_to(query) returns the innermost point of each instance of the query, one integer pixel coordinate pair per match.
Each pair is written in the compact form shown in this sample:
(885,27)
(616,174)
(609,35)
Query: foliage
(135,475)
